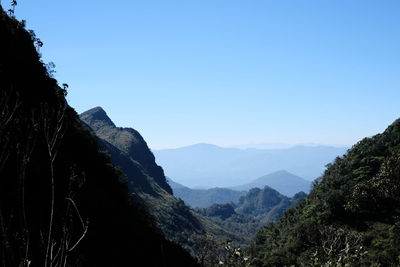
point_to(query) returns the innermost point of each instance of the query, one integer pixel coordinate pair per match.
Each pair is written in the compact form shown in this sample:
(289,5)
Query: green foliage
(62,203)
(256,208)
(350,218)
(212,253)
(147,182)
(234,257)
(223,211)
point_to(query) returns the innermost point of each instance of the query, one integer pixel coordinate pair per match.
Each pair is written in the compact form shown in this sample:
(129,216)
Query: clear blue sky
(228,72)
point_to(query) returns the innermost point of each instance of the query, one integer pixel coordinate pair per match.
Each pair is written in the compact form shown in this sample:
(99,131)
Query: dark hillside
(253,210)
(56,187)
(174,219)
(126,140)
(351,217)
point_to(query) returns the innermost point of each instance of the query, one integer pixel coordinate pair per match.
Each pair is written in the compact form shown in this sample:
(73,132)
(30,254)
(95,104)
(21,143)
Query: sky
(228,72)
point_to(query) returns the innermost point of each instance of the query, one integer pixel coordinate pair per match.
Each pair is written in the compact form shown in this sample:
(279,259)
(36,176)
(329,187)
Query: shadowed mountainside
(253,210)
(125,147)
(350,218)
(127,140)
(62,203)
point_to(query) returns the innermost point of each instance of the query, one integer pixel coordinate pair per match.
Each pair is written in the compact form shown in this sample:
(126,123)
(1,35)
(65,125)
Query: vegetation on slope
(61,200)
(284,182)
(147,182)
(255,209)
(351,217)
(203,198)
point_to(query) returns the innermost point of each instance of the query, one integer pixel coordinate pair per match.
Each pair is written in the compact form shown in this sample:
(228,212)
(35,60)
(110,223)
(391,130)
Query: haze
(228,72)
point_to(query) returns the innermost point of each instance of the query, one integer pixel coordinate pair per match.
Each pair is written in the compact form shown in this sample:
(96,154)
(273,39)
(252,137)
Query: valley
(85,188)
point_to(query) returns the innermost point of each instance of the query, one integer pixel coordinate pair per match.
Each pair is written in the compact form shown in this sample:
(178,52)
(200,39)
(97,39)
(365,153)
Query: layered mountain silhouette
(209,166)
(174,185)
(284,182)
(147,182)
(62,202)
(351,216)
(203,198)
(256,208)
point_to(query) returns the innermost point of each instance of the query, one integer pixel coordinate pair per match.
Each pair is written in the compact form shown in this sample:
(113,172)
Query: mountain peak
(281,172)
(283,181)
(96,118)
(203,145)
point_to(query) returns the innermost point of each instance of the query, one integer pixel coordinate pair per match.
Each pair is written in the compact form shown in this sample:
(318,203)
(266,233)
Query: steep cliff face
(61,201)
(126,140)
(147,182)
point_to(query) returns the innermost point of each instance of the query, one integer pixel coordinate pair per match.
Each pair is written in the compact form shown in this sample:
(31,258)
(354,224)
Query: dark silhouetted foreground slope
(61,200)
(147,182)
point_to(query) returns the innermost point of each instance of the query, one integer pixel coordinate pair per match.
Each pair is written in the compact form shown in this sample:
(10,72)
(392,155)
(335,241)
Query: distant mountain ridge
(147,182)
(209,166)
(202,198)
(174,185)
(284,182)
(253,210)
(351,216)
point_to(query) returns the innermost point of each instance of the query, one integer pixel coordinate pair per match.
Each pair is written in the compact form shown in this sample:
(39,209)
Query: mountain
(174,185)
(253,210)
(209,166)
(127,140)
(202,198)
(62,202)
(282,181)
(262,201)
(206,197)
(350,218)
(129,151)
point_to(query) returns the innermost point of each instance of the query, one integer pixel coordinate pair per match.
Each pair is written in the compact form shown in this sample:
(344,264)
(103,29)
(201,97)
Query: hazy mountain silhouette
(203,198)
(284,182)
(351,216)
(253,210)
(174,185)
(210,166)
(128,150)
(62,202)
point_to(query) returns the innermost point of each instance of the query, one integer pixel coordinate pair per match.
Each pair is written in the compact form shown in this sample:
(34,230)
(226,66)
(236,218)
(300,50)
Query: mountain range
(253,210)
(129,151)
(203,198)
(284,182)
(209,166)
(80,191)
(351,216)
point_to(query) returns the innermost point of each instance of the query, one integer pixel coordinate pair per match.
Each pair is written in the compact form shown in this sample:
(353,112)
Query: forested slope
(62,203)
(350,217)
(146,180)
